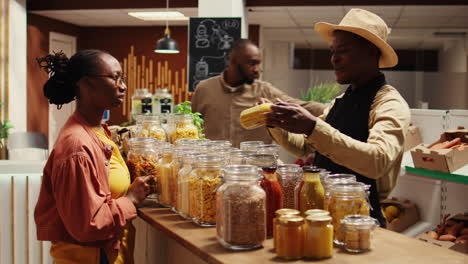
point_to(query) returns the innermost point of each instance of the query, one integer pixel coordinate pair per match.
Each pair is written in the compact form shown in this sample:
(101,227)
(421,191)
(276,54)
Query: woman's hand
(291,117)
(139,189)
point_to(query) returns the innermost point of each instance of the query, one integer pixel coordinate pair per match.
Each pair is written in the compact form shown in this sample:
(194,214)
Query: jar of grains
(289,176)
(203,181)
(241,208)
(151,127)
(183,184)
(166,177)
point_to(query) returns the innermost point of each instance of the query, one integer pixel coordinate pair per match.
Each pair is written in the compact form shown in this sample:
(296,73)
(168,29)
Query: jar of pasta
(187,159)
(150,126)
(346,199)
(357,232)
(203,181)
(184,128)
(318,237)
(290,241)
(241,208)
(142,160)
(166,177)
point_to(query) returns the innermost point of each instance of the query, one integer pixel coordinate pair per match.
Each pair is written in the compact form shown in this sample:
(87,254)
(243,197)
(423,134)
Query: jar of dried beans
(241,208)
(289,176)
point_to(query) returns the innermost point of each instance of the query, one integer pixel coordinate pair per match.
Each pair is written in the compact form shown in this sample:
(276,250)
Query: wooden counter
(389,247)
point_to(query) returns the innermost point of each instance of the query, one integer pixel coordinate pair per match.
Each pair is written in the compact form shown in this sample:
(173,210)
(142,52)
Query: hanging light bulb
(166,44)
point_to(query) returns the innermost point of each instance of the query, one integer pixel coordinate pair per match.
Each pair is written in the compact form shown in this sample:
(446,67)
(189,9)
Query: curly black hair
(62,88)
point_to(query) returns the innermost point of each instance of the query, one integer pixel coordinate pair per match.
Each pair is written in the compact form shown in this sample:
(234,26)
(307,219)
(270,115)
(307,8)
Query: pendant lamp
(166,44)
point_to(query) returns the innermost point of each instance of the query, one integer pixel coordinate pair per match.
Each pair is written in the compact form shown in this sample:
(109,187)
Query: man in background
(222,98)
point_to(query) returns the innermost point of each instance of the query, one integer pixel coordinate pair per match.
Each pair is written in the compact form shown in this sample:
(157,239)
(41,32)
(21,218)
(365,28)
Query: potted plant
(5,127)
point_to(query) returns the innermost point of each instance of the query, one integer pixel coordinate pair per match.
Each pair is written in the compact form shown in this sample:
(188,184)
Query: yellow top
(119,182)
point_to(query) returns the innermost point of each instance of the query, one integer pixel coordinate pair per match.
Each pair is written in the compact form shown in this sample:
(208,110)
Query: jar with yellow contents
(278,214)
(318,236)
(203,181)
(150,126)
(166,177)
(346,199)
(332,179)
(184,128)
(290,241)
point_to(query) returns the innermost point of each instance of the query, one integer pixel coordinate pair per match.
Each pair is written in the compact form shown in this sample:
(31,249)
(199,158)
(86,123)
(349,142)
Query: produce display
(253,117)
(455,143)
(451,230)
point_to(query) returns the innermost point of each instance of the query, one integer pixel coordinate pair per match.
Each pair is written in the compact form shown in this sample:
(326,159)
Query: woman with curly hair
(86,200)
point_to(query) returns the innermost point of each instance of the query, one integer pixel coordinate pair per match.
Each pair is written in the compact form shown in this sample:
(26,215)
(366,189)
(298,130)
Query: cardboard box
(412,137)
(445,160)
(408,214)
(459,247)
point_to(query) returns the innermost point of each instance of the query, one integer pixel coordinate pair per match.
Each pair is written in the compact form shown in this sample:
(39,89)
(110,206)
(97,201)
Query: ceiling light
(167,44)
(155,16)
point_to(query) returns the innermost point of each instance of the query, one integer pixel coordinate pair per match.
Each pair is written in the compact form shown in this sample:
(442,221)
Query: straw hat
(367,25)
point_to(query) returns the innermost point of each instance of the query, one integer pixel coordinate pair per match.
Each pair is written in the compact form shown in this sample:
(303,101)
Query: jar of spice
(203,181)
(184,128)
(318,237)
(289,176)
(310,193)
(357,232)
(346,199)
(270,184)
(290,241)
(278,214)
(142,159)
(241,208)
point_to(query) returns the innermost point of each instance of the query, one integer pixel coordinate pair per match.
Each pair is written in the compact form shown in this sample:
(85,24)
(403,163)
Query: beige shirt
(221,106)
(378,158)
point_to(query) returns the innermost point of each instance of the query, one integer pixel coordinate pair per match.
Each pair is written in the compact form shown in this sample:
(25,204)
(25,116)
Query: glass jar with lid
(162,101)
(290,241)
(250,145)
(278,214)
(241,208)
(318,212)
(357,232)
(141,102)
(270,184)
(289,176)
(166,177)
(203,181)
(239,157)
(318,237)
(221,144)
(346,199)
(271,149)
(183,176)
(332,179)
(310,193)
(142,159)
(184,128)
(150,126)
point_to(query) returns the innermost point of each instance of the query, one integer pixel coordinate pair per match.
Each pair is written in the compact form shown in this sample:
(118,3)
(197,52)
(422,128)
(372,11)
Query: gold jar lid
(286,211)
(318,218)
(316,212)
(291,220)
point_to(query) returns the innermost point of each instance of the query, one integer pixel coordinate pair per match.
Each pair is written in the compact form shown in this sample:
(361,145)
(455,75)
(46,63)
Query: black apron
(350,115)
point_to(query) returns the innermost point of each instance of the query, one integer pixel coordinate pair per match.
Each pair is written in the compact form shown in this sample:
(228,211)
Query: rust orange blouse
(75,203)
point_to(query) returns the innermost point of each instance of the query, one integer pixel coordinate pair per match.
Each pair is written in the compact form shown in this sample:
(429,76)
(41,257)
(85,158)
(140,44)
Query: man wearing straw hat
(362,131)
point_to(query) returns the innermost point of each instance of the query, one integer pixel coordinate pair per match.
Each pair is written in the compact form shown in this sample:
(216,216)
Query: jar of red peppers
(142,159)
(269,184)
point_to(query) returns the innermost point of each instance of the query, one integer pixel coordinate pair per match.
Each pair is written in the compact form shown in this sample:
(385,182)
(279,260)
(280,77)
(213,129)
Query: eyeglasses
(118,79)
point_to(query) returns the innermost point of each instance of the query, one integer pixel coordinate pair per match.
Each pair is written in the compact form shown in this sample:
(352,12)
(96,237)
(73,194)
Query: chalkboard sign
(209,42)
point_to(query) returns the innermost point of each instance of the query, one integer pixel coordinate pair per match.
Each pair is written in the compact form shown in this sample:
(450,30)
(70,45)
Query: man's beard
(245,78)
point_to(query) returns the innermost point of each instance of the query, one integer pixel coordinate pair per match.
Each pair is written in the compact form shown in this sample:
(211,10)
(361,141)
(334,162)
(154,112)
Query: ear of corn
(253,117)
